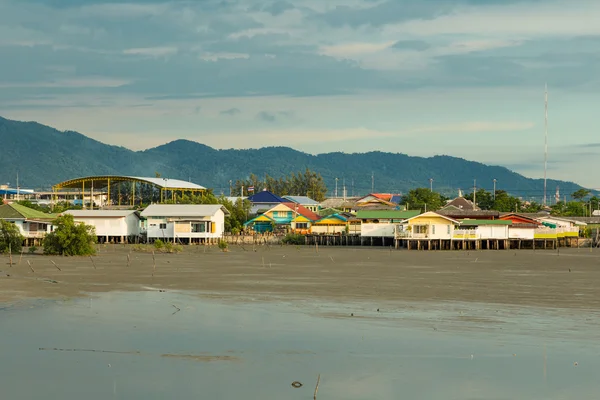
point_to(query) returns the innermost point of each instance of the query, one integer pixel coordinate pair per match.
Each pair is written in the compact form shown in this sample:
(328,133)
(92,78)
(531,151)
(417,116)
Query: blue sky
(422,77)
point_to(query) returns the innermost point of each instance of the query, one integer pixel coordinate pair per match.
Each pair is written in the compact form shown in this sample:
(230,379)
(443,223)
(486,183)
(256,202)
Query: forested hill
(44,156)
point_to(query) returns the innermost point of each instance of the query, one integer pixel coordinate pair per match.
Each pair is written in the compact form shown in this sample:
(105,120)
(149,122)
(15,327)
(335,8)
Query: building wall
(113,227)
(377,230)
(328,229)
(437,228)
(492,232)
(514,232)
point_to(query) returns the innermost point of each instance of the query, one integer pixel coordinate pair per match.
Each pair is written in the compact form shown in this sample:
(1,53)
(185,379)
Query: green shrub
(159,244)
(10,238)
(70,238)
(223,245)
(32,249)
(172,248)
(293,238)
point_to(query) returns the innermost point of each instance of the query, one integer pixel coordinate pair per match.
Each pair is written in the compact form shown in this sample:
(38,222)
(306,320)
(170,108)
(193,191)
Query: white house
(32,224)
(185,223)
(382,223)
(111,225)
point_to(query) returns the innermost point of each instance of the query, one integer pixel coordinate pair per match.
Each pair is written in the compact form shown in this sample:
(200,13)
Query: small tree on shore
(70,238)
(10,238)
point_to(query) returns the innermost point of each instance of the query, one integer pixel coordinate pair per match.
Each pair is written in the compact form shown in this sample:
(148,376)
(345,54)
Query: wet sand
(568,279)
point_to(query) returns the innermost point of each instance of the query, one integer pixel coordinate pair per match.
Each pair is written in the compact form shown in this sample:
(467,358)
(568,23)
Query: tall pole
(474,193)
(336,192)
(431,184)
(494,190)
(230,188)
(372,182)
(545,141)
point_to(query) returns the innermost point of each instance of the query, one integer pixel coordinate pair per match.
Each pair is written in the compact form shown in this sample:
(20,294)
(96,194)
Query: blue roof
(302,200)
(396,198)
(266,197)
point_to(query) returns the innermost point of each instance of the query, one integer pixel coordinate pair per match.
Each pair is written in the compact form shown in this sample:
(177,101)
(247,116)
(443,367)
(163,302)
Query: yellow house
(429,225)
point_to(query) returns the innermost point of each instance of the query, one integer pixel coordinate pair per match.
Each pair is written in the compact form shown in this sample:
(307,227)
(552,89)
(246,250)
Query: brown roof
(461,203)
(461,214)
(302,211)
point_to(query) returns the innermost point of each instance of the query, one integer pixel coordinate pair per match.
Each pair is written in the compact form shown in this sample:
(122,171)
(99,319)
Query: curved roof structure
(102,181)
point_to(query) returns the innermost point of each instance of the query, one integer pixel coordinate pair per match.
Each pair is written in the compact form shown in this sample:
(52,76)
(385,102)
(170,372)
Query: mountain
(43,156)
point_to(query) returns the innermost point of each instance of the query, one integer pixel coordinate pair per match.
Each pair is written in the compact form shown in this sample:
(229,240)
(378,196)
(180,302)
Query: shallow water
(139,346)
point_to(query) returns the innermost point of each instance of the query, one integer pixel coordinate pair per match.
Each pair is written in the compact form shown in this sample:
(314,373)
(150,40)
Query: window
(198,227)
(301,225)
(163,226)
(421,229)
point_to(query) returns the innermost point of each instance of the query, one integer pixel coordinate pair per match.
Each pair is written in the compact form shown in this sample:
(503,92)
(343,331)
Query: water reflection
(146,349)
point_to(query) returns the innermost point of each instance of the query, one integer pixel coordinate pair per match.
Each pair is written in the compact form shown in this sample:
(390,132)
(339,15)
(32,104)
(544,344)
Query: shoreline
(524,278)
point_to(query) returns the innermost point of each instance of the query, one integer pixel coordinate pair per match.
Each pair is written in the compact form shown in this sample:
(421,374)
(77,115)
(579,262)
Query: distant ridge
(44,156)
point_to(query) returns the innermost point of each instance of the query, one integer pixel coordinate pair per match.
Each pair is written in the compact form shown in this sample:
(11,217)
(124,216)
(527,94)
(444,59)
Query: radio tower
(545,141)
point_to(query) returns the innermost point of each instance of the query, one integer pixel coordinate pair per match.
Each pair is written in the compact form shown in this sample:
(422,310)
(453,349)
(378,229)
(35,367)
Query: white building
(111,225)
(32,224)
(185,223)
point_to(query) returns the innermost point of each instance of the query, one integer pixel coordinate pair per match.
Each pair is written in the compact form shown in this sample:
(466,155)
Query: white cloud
(152,51)
(353,49)
(223,56)
(81,82)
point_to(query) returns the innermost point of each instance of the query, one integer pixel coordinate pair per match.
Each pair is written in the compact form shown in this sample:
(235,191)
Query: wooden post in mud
(21,256)
(153,263)
(57,267)
(10,255)
(317,387)
(93,263)
(128,260)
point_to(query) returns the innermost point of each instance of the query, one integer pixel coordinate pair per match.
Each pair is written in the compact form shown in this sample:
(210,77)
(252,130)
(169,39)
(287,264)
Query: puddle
(157,345)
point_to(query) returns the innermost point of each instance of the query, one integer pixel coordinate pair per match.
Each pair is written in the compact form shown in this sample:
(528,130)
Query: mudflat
(566,279)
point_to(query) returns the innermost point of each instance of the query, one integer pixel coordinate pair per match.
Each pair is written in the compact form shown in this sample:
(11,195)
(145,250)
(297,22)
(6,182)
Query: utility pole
(230,188)
(494,190)
(18,187)
(336,192)
(431,184)
(474,193)
(372,182)
(545,141)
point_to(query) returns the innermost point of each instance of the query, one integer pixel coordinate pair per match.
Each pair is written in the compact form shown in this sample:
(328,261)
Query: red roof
(305,212)
(519,219)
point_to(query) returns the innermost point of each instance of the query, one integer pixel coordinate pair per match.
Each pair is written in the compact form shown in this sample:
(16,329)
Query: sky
(422,77)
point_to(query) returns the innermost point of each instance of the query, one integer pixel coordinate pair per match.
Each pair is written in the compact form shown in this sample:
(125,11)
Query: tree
(423,199)
(309,184)
(503,201)
(569,209)
(580,194)
(70,238)
(10,238)
(484,199)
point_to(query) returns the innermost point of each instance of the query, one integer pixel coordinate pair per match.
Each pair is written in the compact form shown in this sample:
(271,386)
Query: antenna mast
(545,141)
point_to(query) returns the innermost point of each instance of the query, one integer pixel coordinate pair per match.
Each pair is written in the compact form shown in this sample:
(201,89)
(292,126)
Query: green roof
(328,211)
(387,214)
(17,211)
(485,222)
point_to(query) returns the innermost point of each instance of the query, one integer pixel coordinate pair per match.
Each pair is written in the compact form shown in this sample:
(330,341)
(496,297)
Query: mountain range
(43,156)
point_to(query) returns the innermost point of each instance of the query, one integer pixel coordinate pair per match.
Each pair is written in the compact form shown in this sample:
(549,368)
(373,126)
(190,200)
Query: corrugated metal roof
(100,213)
(182,210)
(304,200)
(471,222)
(170,183)
(17,211)
(387,214)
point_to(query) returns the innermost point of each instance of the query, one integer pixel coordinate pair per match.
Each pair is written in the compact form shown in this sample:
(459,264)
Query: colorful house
(263,201)
(284,216)
(382,223)
(429,225)
(304,201)
(338,223)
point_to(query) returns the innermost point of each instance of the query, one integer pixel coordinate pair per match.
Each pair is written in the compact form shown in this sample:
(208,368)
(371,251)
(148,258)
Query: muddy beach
(565,279)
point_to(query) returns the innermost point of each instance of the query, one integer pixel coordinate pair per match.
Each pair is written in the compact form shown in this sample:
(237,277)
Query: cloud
(278,7)
(418,45)
(152,51)
(231,111)
(268,116)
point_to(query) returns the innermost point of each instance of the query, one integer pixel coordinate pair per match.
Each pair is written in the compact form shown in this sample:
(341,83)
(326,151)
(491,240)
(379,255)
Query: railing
(34,235)
(464,234)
